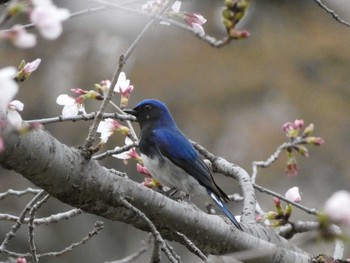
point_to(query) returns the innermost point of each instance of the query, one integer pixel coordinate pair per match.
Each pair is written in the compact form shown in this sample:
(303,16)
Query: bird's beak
(130,111)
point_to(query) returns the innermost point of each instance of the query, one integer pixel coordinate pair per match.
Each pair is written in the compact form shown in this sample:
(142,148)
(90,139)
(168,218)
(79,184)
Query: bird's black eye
(148,107)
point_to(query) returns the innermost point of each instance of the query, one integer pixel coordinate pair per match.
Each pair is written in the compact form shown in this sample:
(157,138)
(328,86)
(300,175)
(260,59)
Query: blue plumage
(170,156)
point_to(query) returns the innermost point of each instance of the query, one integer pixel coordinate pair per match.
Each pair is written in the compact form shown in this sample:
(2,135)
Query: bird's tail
(225,210)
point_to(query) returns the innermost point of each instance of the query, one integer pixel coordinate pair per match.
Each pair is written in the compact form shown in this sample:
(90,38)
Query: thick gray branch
(64,173)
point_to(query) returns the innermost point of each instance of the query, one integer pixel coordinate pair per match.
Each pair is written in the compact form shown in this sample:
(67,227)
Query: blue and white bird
(171,158)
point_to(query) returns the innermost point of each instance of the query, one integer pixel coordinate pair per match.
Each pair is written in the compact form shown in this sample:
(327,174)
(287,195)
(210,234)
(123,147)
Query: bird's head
(153,112)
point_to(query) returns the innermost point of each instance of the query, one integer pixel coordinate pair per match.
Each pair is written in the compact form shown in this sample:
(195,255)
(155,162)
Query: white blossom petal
(293,194)
(198,29)
(22,38)
(16,105)
(122,84)
(8,87)
(176,7)
(123,155)
(64,99)
(70,111)
(337,207)
(128,141)
(32,66)
(15,118)
(47,17)
(106,129)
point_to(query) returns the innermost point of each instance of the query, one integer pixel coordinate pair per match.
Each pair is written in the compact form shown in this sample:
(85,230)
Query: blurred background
(233,101)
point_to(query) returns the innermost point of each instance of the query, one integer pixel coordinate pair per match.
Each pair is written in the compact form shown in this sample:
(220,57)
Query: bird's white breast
(170,175)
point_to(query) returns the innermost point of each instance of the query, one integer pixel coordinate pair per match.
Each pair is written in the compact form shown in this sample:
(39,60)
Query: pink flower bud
(276,201)
(308,130)
(21,260)
(142,170)
(31,66)
(302,150)
(288,126)
(299,124)
(79,91)
(292,169)
(238,34)
(194,18)
(315,140)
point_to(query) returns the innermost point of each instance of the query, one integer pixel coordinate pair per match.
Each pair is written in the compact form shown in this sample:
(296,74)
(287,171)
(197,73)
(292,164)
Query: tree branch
(64,173)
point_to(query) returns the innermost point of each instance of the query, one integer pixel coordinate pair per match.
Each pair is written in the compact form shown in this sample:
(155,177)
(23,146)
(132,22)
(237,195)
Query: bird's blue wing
(177,148)
(174,145)
(225,210)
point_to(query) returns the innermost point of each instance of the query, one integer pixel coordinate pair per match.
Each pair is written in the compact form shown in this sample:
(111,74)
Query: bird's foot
(170,192)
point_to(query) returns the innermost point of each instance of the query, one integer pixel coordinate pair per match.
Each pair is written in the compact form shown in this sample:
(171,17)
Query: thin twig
(115,151)
(212,41)
(19,193)
(132,257)
(192,247)
(332,13)
(31,227)
(44,220)
(311,211)
(157,236)
(20,220)
(288,231)
(82,117)
(274,157)
(97,228)
(156,252)
(172,250)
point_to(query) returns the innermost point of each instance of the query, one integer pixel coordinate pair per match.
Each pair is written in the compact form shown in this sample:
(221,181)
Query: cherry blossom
(124,88)
(48,18)
(12,113)
(131,154)
(337,207)
(109,126)
(8,87)
(72,107)
(19,37)
(293,194)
